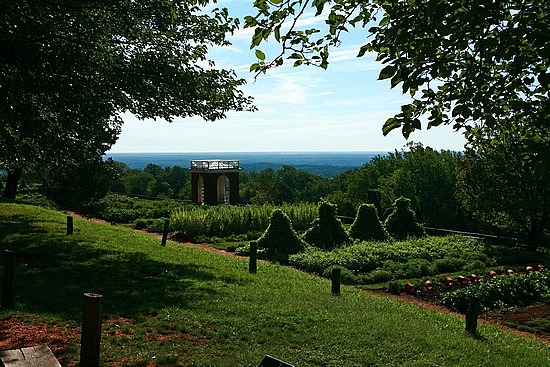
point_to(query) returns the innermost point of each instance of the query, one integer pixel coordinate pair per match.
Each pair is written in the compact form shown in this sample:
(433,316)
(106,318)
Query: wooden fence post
(69,224)
(8,278)
(91,330)
(336,273)
(165,232)
(253,257)
(471,315)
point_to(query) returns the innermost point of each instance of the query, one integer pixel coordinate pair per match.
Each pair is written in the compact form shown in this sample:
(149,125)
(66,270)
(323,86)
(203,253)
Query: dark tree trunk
(10,190)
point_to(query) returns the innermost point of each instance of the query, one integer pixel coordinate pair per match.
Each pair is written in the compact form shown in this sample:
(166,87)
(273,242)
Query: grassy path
(183,306)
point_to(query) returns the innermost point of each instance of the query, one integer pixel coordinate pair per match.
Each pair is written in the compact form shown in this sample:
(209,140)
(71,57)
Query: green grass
(184,306)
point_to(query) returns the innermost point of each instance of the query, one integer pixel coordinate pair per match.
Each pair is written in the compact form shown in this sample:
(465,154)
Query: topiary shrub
(326,232)
(367,226)
(401,223)
(279,239)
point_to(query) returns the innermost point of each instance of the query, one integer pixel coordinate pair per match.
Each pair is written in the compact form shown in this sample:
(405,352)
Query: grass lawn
(175,305)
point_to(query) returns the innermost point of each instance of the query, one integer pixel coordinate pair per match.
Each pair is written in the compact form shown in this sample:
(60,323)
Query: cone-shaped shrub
(279,239)
(326,232)
(367,226)
(401,223)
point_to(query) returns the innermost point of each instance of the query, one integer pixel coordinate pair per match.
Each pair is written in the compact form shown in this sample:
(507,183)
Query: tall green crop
(189,222)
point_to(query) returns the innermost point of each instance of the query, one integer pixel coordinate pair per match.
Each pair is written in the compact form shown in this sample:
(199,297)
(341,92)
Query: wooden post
(253,257)
(471,315)
(69,224)
(8,278)
(336,272)
(91,330)
(165,232)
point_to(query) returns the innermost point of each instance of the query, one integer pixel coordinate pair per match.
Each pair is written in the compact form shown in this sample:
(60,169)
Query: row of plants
(322,243)
(502,292)
(127,209)
(415,257)
(192,222)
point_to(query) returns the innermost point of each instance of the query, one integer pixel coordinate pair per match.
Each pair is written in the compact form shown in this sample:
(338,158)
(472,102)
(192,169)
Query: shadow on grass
(53,272)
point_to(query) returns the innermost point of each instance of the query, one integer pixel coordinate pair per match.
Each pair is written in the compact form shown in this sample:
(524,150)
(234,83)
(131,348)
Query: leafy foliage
(422,174)
(369,256)
(401,223)
(124,209)
(506,180)
(461,61)
(71,68)
(78,186)
(286,185)
(192,221)
(367,226)
(503,291)
(326,232)
(279,239)
(482,68)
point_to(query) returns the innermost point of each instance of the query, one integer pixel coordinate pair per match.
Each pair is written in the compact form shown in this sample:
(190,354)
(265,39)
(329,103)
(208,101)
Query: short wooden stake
(91,330)
(8,278)
(471,315)
(253,258)
(69,224)
(165,232)
(336,273)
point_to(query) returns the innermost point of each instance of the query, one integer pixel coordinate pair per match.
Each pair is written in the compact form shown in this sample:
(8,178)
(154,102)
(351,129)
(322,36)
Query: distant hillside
(325,171)
(327,164)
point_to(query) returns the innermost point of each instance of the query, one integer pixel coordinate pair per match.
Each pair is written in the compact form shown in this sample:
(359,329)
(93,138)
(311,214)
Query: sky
(342,108)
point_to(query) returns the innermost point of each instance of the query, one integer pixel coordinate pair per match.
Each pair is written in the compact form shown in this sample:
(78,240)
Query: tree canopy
(480,66)
(469,63)
(69,69)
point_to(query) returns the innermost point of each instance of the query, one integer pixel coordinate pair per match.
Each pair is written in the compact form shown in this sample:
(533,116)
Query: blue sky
(342,108)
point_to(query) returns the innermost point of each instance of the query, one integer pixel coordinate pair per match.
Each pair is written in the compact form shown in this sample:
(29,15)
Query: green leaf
(390,124)
(260,55)
(387,72)
(277,33)
(363,50)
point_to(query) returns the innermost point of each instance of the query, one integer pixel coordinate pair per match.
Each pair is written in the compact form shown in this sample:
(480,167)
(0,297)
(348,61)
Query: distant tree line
(452,190)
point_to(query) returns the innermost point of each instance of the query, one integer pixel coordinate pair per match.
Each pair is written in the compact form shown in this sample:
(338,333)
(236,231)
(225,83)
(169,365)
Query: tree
(69,69)
(78,186)
(428,178)
(472,64)
(506,181)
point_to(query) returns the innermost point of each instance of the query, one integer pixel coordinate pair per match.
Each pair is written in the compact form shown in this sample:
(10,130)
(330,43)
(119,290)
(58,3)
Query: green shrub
(157,225)
(395,287)
(416,268)
(368,256)
(280,240)
(378,276)
(346,276)
(141,223)
(326,232)
(503,291)
(367,226)
(474,266)
(449,264)
(401,223)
